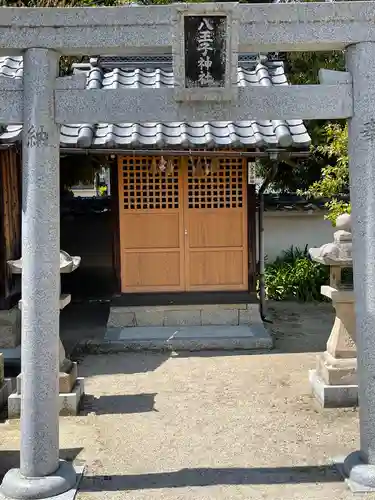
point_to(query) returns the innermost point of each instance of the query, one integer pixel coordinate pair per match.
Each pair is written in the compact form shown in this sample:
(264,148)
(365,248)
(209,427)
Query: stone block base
(335,371)
(10,328)
(333,396)
(66,380)
(5,391)
(68,402)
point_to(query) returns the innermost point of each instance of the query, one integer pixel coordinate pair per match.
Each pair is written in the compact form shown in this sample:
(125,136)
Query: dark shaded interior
(87,231)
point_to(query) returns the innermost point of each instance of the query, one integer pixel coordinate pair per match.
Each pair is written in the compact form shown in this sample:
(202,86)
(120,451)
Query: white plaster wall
(284,229)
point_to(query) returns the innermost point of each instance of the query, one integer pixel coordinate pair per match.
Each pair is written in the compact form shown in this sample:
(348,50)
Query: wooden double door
(183,228)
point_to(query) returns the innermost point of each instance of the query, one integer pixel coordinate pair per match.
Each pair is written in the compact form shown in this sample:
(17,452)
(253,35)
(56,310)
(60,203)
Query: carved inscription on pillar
(37,137)
(368,130)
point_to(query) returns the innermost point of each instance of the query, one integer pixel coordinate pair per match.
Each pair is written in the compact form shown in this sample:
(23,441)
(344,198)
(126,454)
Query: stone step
(185,338)
(173,316)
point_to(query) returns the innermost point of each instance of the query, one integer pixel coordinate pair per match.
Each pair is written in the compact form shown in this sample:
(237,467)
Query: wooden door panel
(181,230)
(151,229)
(208,229)
(151,271)
(215,218)
(217,270)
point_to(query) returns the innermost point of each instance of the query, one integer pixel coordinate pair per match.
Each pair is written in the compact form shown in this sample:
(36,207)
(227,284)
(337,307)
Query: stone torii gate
(43,102)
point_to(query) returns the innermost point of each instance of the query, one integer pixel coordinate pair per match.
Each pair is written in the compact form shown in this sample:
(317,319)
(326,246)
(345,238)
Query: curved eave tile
(11,134)
(11,67)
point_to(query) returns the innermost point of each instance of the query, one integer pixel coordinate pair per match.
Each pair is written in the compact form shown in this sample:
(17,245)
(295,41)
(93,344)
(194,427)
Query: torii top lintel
(132,30)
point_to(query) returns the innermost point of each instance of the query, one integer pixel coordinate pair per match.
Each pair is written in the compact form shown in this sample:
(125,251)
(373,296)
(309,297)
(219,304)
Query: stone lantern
(334,381)
(71,387)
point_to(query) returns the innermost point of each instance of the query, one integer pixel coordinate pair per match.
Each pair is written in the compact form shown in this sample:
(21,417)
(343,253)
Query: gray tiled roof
(245,134)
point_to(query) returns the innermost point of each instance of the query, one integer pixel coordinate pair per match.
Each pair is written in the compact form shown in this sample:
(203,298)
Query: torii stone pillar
(360,466)
(41,474)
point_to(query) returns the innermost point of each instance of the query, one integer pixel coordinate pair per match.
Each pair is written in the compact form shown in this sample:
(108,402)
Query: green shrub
(294,276)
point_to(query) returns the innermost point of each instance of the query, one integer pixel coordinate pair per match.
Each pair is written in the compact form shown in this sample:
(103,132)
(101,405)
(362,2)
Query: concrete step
(177,315)
(185,338)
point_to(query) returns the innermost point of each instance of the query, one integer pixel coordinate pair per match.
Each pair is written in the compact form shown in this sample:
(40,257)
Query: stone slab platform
(189,338)
(69,403)
(333,396)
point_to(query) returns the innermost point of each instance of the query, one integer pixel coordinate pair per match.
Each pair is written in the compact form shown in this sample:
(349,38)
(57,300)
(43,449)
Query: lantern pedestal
(334,380)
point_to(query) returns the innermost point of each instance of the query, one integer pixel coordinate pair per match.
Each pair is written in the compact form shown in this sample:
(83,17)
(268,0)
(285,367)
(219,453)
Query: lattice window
(146,187)
(216,183)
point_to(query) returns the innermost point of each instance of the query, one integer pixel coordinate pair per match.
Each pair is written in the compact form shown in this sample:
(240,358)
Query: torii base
(358,474)
(61,485)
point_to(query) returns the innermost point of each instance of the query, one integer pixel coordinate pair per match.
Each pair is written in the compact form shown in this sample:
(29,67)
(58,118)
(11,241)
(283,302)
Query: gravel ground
(208,425)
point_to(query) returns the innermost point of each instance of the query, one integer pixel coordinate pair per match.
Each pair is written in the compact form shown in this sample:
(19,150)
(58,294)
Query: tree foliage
(325,174)
(329,147)
(334,180)
(303,68)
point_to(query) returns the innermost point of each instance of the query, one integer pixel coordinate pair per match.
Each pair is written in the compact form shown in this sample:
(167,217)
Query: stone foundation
(195,315)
